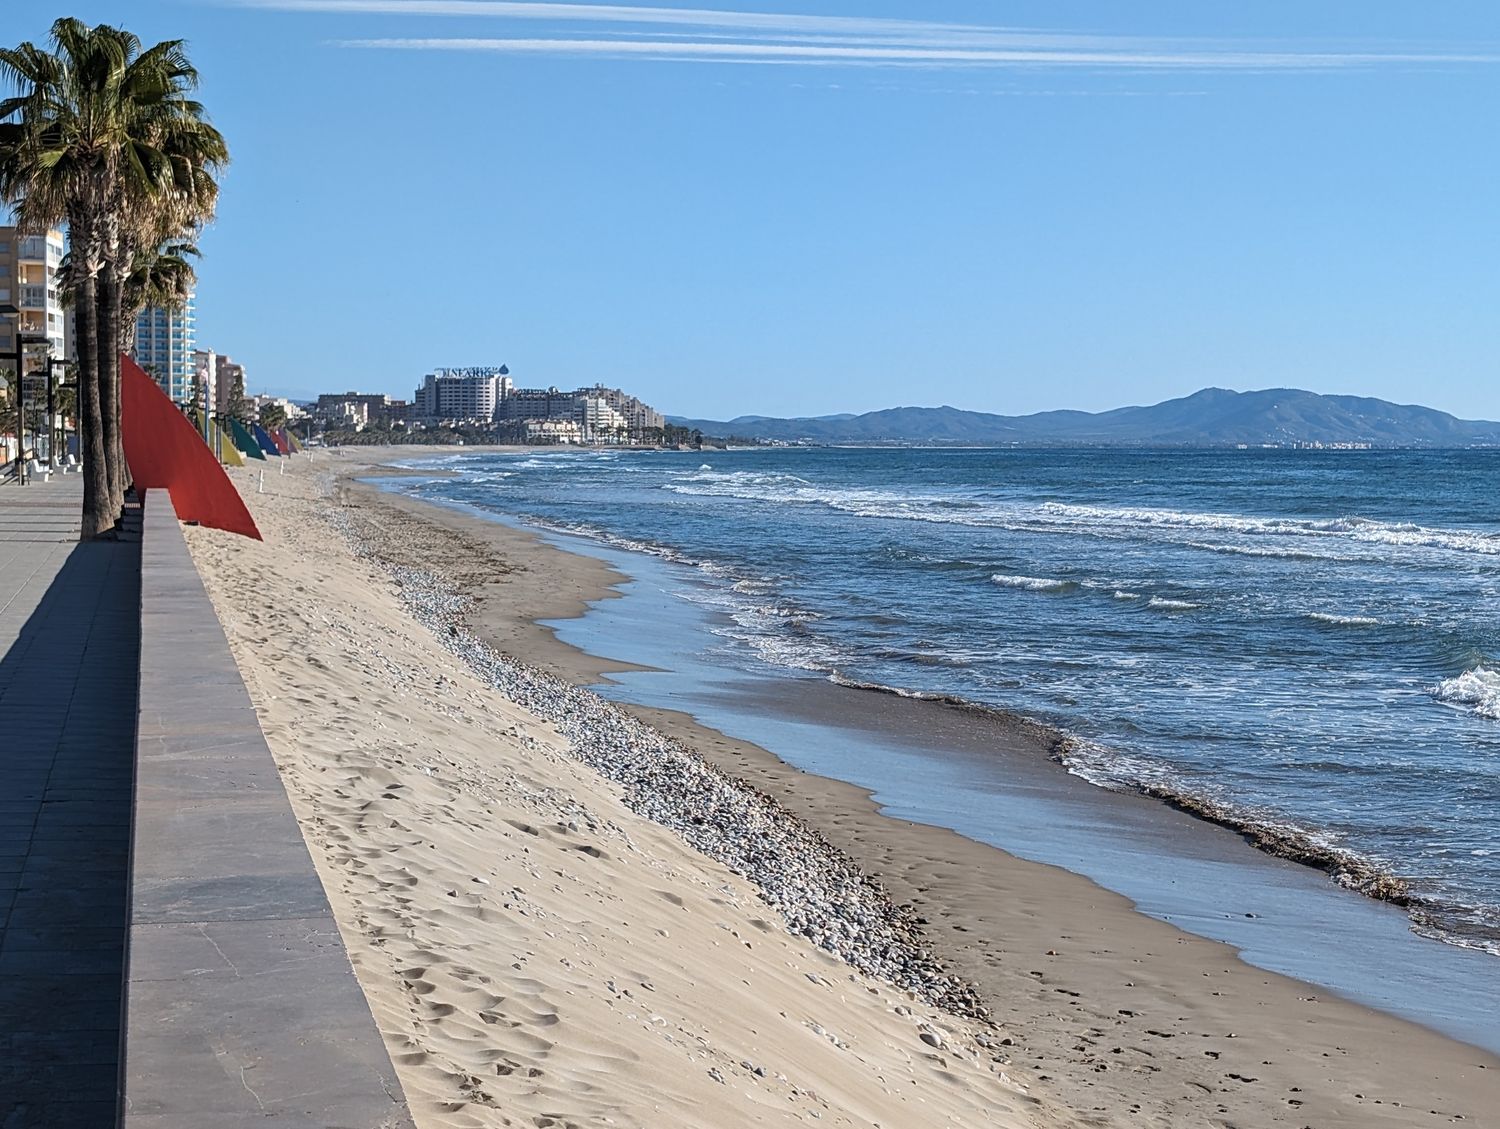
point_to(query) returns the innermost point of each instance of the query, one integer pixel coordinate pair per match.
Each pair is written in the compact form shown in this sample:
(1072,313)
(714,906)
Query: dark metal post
(54,430)
(51,417)
(20,407)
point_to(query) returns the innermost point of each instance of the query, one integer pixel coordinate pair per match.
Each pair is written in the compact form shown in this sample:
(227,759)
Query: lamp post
(6,313)
(53,429)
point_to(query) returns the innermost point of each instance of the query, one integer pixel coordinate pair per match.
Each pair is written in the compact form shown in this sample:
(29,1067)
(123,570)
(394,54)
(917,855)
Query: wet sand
(535,952)
(1124,1018)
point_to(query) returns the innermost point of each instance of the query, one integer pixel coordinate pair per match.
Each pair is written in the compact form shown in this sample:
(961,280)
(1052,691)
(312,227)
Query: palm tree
(148,260)
(102,136)
(272,416)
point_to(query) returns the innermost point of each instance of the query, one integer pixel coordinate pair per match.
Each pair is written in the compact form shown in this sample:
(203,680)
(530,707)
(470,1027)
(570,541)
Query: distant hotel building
(165,341)
(462,393)
(485,395)
(28,281)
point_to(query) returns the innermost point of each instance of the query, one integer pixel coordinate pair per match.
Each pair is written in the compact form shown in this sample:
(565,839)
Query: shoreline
(533,947)
(1346,869)
(1051,949)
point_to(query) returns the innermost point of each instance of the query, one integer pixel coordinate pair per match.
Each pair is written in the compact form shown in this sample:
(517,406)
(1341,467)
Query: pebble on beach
(821,894)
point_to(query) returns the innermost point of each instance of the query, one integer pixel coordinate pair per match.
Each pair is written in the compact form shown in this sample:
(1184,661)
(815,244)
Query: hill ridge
(1209,417)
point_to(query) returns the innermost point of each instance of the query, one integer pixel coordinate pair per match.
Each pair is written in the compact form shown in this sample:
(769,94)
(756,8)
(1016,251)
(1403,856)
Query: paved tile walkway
(69,647)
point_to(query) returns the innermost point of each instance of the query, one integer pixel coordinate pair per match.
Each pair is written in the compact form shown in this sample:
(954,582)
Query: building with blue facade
(164,345)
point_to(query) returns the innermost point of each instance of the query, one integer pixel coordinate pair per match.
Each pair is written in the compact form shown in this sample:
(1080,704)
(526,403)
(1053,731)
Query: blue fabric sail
(267,444)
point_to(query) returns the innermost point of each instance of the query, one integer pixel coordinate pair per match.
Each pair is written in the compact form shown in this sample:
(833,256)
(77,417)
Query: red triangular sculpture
(165,453)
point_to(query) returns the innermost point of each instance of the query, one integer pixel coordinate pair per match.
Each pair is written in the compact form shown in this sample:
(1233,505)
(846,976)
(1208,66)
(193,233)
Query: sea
(1298,640)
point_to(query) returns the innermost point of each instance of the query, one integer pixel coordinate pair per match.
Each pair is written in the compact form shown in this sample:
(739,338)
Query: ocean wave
(1351,527)
(1317,534)
(1164,604)
(1286,554)
(1344,620)
(1033,583)
(1477,690)
(706,480)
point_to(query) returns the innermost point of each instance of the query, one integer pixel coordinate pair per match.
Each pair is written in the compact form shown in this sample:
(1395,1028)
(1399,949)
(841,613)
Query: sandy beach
(538,953)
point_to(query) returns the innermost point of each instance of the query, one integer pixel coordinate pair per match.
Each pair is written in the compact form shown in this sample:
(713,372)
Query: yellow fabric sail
(224,446)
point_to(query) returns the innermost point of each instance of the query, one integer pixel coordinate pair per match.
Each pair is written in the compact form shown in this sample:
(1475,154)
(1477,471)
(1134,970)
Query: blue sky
(809,206)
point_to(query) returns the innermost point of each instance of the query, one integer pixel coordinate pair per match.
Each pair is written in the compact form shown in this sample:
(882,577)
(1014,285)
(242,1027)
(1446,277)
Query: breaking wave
(1476,690)
(1033,583)
(1294,538)
(1163,604)
(1344,620)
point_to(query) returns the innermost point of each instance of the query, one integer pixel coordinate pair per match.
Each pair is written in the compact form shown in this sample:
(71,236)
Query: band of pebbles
(821,894)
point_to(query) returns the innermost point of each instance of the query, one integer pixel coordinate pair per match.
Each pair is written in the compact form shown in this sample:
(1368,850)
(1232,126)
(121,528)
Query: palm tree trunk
(98,509)
(108,353)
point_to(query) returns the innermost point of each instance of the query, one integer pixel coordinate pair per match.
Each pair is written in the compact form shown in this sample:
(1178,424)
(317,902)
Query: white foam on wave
(1032,583)
(1286,554)
(1344,620)
(1163,604)
(1476,690)
(1352,527)
(1294,538)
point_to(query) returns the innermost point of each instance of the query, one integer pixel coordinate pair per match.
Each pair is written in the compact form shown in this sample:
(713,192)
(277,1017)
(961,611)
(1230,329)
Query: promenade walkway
(69,645)
(168,958)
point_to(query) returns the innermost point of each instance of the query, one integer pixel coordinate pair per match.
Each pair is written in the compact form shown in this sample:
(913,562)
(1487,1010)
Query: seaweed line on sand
(1347,868)
(1433,918)
(819,892)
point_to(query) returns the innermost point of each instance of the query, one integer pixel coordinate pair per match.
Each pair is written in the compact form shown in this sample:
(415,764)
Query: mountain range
(1211,417)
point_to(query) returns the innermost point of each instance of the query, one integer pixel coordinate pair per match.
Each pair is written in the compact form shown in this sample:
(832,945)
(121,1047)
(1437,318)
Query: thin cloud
(883,55)
(544,10)
(713,35)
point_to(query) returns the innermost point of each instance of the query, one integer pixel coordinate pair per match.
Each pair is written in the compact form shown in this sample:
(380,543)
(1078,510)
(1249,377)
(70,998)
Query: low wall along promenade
(168,957)
(240,1002)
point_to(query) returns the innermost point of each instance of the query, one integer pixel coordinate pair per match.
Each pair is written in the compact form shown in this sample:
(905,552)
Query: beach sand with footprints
(537,951)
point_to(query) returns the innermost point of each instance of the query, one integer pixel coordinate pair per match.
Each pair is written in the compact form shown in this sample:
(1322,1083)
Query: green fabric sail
(245,441)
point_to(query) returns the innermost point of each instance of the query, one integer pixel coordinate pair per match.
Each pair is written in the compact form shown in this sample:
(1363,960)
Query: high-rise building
(28,281)
(462,393)
(231,375)
(165,341)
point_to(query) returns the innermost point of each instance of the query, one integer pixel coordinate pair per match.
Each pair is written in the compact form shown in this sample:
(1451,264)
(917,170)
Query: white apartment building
(462,393)
(206,369)
(598,419)
(28,281)
(639,416)
(294,411)
(554,431)
(165,341)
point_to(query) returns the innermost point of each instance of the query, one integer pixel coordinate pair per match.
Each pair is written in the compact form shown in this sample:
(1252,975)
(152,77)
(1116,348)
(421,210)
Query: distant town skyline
(852,206)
